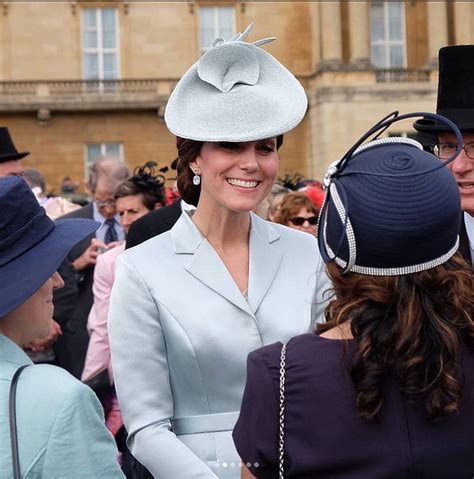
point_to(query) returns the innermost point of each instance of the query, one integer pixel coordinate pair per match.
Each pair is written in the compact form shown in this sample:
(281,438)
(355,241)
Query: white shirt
(469,222)
(100,233)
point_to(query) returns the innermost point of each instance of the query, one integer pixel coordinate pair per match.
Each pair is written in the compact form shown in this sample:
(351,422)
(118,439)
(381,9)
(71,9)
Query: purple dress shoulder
(325,437)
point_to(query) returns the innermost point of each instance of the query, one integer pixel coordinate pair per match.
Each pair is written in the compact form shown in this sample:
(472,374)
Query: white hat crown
(235,92)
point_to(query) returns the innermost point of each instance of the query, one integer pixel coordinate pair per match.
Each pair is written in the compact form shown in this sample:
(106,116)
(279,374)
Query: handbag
(100,382)
(12,417)
(281,438)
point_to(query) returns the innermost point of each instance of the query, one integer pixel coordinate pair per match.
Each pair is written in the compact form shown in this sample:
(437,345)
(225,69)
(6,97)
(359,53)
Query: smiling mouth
(243,183)
(466,186)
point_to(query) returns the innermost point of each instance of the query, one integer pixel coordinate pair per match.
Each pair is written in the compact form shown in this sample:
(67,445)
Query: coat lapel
(265,259)
(204,263)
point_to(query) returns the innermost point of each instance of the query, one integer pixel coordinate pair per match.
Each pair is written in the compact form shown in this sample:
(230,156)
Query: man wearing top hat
(456,102)
(10,157)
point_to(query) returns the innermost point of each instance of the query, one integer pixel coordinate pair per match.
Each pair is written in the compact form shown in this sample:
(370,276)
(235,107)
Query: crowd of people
(245,329)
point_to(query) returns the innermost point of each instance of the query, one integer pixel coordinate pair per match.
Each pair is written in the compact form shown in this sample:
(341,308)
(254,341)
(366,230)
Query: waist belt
(204,423)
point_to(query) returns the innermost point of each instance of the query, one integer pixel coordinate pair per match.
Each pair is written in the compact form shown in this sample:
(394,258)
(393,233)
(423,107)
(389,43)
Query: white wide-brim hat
(236,92)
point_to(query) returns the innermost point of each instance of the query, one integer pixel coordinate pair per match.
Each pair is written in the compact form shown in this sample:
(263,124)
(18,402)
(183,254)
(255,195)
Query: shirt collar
(469,222)
(12,353)
(101,219)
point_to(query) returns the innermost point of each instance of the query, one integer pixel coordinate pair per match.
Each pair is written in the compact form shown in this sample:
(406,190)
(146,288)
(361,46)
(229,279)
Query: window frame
(386,43)
(100,50)
(103,151)
(215,9)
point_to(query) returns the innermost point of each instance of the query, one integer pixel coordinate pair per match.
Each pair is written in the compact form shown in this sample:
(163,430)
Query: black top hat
(8,151)
(455,90)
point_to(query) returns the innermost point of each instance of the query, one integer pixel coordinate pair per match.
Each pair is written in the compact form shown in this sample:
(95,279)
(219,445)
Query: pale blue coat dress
(180,332)
(61,431)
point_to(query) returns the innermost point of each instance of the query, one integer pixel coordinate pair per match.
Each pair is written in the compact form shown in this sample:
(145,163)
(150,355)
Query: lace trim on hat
(349,230)
(416,268)
(385,141)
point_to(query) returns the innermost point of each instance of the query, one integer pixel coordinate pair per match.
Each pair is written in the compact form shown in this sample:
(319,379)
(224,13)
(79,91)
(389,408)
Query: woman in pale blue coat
(189,305)
(60,425)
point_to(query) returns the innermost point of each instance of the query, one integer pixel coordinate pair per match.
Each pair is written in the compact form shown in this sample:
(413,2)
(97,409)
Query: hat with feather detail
(236,92)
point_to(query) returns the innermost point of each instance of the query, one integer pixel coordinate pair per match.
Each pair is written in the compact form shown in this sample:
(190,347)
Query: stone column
(359,34)
(462,22)
(331,35)
(437,20)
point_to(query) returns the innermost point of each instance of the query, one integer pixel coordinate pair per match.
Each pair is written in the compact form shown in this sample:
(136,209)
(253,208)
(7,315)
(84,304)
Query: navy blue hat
(391,209)
(32,246)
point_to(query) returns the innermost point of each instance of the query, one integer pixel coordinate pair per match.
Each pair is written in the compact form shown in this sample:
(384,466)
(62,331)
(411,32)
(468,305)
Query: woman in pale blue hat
(51,425)
(189,305)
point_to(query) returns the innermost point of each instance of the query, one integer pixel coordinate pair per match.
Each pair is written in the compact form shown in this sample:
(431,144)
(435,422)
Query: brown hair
(188,150)
(411,326)
(144,182)
(291,205)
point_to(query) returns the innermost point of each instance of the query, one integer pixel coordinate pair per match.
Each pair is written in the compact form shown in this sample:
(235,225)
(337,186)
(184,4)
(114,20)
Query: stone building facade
(82,78)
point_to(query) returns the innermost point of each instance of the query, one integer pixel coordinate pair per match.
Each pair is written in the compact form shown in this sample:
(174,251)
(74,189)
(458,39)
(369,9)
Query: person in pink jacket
(135,197)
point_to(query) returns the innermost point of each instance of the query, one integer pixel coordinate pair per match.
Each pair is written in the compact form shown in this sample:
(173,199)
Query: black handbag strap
(13,429)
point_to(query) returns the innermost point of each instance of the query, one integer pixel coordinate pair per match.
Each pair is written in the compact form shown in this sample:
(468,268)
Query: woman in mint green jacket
(59,421)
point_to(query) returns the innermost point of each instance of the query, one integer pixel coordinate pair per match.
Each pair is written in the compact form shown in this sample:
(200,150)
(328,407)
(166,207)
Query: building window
(94,150)
(387,28)
(215,22)
(100,44)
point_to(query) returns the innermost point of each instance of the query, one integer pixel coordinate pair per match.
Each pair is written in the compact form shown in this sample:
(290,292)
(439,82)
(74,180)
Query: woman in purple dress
(384,389)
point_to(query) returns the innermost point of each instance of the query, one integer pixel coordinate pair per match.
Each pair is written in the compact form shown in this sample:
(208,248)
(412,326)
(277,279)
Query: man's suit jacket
(60,423)
(98,351)
(73,303)
(153,224)
(180,331)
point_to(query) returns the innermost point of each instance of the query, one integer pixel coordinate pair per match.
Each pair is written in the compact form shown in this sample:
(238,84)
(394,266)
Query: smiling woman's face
(236,176)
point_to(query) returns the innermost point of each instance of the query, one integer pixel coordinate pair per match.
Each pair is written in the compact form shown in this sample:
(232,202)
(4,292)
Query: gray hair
(110,169)
(34,178)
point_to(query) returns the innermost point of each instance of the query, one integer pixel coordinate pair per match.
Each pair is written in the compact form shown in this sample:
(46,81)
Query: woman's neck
(221,227)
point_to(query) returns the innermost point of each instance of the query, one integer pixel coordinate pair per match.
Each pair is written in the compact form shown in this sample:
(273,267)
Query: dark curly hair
(144,182)
(188,150)
(409,326)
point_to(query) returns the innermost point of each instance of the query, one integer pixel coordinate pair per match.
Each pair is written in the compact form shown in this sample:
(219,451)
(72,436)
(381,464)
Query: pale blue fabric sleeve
(79,444)
(321,293)
(142,379)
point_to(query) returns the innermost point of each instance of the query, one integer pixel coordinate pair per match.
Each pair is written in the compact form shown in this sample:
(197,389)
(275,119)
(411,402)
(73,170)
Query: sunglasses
(299,220)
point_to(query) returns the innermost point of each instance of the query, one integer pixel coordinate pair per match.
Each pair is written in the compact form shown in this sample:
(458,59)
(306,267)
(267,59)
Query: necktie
(111,233)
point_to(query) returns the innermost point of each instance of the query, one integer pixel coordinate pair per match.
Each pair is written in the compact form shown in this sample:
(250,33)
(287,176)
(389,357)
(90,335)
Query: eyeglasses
(104,203)
(446,150)
(300,220)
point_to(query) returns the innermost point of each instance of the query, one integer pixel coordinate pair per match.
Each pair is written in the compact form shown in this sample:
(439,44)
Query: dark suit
(153,224)
(464,247)
(73,303)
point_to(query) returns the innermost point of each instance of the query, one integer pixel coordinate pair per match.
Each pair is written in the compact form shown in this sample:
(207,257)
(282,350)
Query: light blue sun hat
(236,92)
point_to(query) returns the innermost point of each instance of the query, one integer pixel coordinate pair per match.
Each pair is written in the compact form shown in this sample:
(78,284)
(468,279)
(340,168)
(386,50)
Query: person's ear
(194,167)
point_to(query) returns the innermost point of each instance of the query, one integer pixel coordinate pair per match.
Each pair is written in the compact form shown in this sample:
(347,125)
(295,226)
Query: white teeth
(242,183)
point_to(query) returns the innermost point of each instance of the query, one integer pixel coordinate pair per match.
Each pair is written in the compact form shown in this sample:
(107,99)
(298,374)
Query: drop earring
(196,179)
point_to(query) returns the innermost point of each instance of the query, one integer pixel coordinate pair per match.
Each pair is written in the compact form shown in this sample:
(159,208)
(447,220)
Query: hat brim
(22,277)
(15,156)
(430,126)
